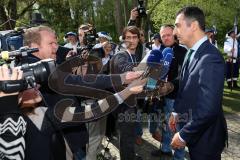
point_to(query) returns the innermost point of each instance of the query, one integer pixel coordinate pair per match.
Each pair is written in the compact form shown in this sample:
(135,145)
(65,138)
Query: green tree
(218,12)
(13,10)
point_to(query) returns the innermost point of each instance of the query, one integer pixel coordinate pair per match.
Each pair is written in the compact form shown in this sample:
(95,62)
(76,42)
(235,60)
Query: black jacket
(77,137)
(29,142)
(175,68)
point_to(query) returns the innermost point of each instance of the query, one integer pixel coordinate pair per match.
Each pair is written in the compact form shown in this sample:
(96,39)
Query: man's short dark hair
(193,13)
(131,29)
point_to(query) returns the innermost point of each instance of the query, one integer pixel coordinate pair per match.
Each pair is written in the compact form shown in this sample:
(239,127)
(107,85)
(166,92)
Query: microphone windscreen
(154,58)
(168,56)
(167,51)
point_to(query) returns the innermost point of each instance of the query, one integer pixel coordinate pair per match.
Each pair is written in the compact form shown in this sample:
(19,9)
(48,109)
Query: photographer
(23,136)
(44,38)
(133,17)
(141,47)
(12,121)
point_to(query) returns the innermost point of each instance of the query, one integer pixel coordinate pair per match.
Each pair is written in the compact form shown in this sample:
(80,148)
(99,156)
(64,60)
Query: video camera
(11,39)
(141,9)
(33,73)
(90,40)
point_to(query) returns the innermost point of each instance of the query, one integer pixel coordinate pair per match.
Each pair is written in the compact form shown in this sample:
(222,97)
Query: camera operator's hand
(5,76)
(70,54)
(85,54)
(30,97)
(134,14)
(128,77)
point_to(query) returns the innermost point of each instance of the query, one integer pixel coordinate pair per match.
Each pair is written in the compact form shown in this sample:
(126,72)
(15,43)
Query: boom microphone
(24,50)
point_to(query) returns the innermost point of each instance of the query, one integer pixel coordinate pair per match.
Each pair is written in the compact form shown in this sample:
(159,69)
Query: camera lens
(42,69)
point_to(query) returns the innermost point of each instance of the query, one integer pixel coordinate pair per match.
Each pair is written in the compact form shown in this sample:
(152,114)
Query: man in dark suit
(198,107)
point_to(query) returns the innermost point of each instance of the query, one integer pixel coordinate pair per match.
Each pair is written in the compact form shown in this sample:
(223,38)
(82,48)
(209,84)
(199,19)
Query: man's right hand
(134,14)
(128,77)
(5,76)
(173,122)
(137,86)
(70,54)
(134,88)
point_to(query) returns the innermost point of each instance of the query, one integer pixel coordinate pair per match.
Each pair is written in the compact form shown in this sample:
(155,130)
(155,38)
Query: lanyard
(134,62)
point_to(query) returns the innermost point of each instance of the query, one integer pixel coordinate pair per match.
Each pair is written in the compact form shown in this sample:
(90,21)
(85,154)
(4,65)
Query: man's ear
(195,25)
(34,45)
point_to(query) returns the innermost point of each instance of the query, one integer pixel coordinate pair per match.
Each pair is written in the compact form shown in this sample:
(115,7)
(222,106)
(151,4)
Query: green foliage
(67,15)
(218,12)
(104,18)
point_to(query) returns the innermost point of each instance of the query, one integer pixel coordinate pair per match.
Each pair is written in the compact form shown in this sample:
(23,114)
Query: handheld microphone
(154,66)
(167,60)
(161,68)
(24,50)
(153,60)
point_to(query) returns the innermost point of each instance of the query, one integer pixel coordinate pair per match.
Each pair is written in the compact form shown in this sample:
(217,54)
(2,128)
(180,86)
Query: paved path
(149,144)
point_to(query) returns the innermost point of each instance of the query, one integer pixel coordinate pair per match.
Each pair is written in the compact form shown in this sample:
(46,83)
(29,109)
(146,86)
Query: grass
(231,100)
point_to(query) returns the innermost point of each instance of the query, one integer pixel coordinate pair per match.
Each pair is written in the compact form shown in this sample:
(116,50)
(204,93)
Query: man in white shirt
(232,66)
(72,41)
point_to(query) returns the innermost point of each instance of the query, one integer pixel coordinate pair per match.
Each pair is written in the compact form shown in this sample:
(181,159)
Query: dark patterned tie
(187,61)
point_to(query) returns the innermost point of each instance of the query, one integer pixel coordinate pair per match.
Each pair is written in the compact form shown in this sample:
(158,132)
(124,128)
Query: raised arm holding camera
(12,122)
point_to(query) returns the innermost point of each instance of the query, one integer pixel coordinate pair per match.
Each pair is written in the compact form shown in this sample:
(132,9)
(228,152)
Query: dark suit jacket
(173,73)
(199,102)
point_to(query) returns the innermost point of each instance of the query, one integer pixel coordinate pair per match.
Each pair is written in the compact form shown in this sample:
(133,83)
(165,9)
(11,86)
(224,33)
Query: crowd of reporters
(93,86)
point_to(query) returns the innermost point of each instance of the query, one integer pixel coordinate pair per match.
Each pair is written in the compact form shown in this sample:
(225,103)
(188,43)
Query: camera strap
(12,86)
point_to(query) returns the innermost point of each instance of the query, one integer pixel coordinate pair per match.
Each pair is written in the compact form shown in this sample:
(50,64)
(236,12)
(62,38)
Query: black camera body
(141,9)
(37,73)
(33,73)
(90,38)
